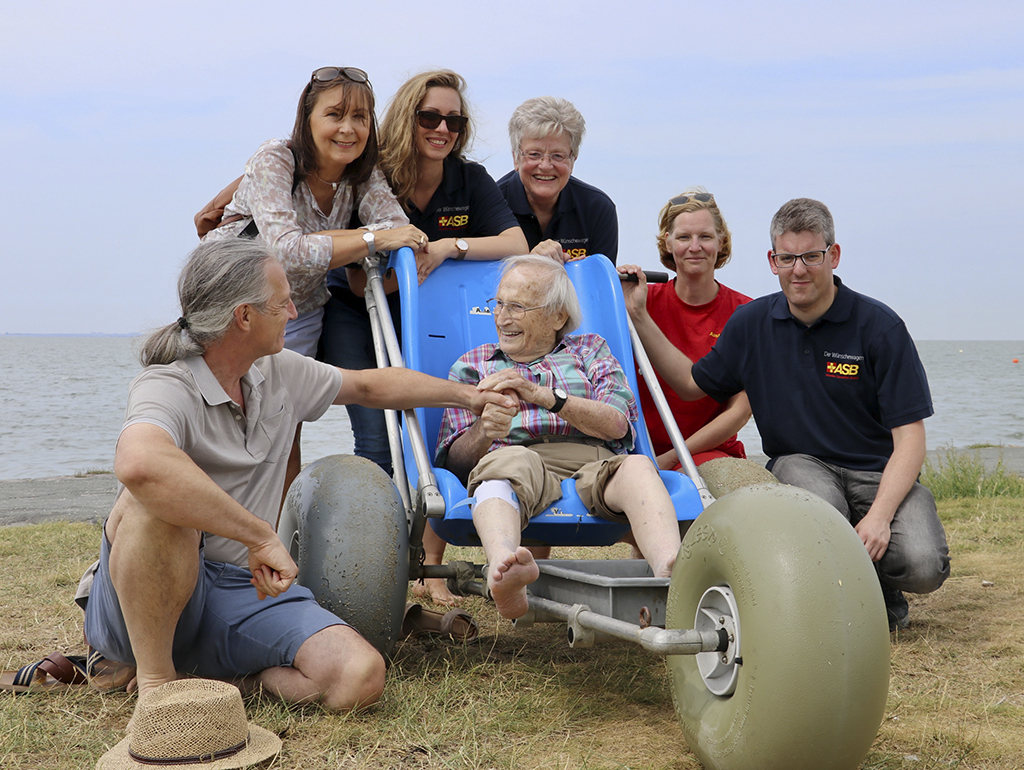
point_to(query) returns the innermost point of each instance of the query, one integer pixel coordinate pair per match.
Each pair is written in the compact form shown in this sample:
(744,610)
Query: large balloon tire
(813,676)
(345,526)
(727,474)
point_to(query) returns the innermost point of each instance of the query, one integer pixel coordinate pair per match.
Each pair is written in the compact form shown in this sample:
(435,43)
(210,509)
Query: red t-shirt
(693,329)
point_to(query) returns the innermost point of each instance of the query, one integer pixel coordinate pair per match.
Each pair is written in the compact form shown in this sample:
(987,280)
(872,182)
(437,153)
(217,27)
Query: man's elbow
(136,469)
(617,428)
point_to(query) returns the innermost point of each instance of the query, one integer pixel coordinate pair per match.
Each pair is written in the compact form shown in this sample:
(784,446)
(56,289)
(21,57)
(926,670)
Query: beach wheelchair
(772,625)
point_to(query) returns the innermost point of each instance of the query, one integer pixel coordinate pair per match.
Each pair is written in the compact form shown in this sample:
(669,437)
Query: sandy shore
(89,498)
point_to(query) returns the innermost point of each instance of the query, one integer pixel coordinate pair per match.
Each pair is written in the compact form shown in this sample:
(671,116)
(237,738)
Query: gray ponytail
(218,276)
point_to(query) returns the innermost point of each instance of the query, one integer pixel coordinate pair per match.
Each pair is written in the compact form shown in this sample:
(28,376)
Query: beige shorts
(536,473)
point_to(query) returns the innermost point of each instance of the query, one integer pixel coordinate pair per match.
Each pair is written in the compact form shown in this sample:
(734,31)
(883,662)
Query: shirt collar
(838,311)
(210,387)
(520,205)
(517,195)
(452,179)
(499,354)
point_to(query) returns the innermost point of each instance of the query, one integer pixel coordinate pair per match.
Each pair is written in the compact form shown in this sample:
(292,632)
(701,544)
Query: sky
(119,120)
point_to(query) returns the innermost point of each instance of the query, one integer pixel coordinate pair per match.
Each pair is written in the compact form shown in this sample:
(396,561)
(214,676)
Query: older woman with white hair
(573,420)
(561,216)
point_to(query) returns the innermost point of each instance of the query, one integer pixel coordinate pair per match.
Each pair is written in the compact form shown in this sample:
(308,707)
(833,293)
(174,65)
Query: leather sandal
(456,624)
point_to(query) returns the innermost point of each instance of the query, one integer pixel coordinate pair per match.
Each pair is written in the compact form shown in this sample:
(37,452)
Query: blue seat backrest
(447,315)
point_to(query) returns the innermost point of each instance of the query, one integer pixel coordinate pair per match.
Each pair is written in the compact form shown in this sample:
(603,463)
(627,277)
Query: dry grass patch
(521,698)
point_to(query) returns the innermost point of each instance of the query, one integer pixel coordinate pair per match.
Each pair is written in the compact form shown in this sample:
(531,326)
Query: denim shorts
(224,632)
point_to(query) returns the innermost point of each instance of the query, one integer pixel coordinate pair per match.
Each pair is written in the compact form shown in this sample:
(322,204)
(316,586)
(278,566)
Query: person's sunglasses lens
(431,120)
(327,74)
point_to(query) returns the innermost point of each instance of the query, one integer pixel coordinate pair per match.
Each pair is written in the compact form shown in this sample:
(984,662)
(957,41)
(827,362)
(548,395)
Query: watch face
(368,237)
(561,393)
(461,245)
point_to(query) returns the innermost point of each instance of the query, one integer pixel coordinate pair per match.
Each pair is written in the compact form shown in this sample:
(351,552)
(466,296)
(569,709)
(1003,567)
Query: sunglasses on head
(431,120)
(679,200)
(327,74)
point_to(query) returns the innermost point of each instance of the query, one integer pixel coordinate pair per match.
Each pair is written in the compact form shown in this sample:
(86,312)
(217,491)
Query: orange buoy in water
(1016,361)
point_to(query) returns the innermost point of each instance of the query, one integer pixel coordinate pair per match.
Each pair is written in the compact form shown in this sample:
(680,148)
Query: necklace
(332,185)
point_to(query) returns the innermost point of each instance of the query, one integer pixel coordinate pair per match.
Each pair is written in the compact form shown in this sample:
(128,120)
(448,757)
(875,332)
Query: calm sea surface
(62,402)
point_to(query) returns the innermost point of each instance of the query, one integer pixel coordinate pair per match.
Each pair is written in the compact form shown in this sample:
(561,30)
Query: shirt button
(238,417)
(806,352)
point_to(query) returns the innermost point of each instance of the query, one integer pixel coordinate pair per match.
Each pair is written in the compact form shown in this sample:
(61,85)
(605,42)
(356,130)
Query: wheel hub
(717,611)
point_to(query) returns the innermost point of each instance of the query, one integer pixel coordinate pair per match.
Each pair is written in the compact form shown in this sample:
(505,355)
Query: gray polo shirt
(244,452)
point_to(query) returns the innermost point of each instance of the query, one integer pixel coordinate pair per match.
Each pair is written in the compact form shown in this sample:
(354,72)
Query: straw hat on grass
(191,724)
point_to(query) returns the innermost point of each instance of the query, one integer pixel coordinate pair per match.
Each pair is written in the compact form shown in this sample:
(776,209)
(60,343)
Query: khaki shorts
(536,473)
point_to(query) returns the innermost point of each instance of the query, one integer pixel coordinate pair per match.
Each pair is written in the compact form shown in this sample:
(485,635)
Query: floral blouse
(286,219)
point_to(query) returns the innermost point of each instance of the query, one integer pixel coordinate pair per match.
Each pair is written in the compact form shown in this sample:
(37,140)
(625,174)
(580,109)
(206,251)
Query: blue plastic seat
(447,316)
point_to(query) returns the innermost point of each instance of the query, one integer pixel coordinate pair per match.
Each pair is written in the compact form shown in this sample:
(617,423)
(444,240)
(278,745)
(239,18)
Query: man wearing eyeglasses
(838,393)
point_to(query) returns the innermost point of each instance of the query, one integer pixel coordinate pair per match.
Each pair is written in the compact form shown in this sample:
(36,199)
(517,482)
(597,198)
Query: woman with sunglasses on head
(423,139)
(694,241)
(562,217)
(299,196)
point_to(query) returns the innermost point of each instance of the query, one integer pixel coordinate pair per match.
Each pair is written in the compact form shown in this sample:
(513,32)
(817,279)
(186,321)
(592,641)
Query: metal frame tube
(674,434)
(662,641)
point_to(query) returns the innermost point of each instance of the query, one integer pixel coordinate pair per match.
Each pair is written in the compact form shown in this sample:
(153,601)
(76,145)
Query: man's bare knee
(345,669)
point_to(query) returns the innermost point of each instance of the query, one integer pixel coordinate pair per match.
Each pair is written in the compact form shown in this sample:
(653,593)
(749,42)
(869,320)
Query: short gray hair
(544,116)
(803,214)
(218,276)
(560,294)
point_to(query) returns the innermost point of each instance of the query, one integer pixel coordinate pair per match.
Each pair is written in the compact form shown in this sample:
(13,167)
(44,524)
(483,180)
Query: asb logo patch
(453,222)
(841,371)
(575,253)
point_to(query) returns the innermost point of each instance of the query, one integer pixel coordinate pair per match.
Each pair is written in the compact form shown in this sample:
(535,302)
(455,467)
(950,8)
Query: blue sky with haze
(119,120)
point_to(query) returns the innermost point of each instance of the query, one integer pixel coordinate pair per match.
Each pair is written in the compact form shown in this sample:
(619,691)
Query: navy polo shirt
(467,204)
(833,390)
(584,221)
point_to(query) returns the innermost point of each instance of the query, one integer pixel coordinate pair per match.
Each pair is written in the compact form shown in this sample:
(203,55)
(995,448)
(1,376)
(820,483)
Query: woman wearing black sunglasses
(423,139)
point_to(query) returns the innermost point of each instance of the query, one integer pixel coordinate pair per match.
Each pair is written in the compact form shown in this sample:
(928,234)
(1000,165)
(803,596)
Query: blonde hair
(398,127)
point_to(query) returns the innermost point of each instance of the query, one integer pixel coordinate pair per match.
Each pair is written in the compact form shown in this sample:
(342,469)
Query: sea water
(62,401)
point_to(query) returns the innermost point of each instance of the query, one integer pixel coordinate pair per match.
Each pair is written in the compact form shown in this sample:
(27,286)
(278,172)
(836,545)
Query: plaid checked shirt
(581,364)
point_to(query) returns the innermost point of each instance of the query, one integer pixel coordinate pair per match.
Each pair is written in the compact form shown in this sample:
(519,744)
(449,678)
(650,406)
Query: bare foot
(508,581)
(436,590)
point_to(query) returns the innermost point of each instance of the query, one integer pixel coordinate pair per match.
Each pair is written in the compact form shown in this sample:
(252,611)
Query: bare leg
(434,589)
(153,567)
(634,552)
(335,667)
(511,567)
(637,490)
(294,463)
(540,551)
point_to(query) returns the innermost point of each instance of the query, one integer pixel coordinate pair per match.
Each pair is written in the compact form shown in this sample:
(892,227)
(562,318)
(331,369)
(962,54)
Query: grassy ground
(522,699)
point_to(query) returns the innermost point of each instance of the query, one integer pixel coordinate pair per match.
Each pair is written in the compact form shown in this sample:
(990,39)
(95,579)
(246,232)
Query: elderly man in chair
(574,419)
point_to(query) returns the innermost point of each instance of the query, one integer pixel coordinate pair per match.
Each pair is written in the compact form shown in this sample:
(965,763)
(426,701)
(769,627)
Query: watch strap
(559,401)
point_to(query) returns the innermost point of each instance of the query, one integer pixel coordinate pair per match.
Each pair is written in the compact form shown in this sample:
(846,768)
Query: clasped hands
(495,419)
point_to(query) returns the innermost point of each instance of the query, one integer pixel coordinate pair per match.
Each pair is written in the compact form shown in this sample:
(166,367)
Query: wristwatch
(560,398)
(371,243)
(462,247)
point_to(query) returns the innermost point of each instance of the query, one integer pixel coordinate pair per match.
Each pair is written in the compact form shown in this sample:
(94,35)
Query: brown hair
(303,147)
(671,210)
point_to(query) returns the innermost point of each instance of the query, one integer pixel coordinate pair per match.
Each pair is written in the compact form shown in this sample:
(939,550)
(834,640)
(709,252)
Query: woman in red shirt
(691,309)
